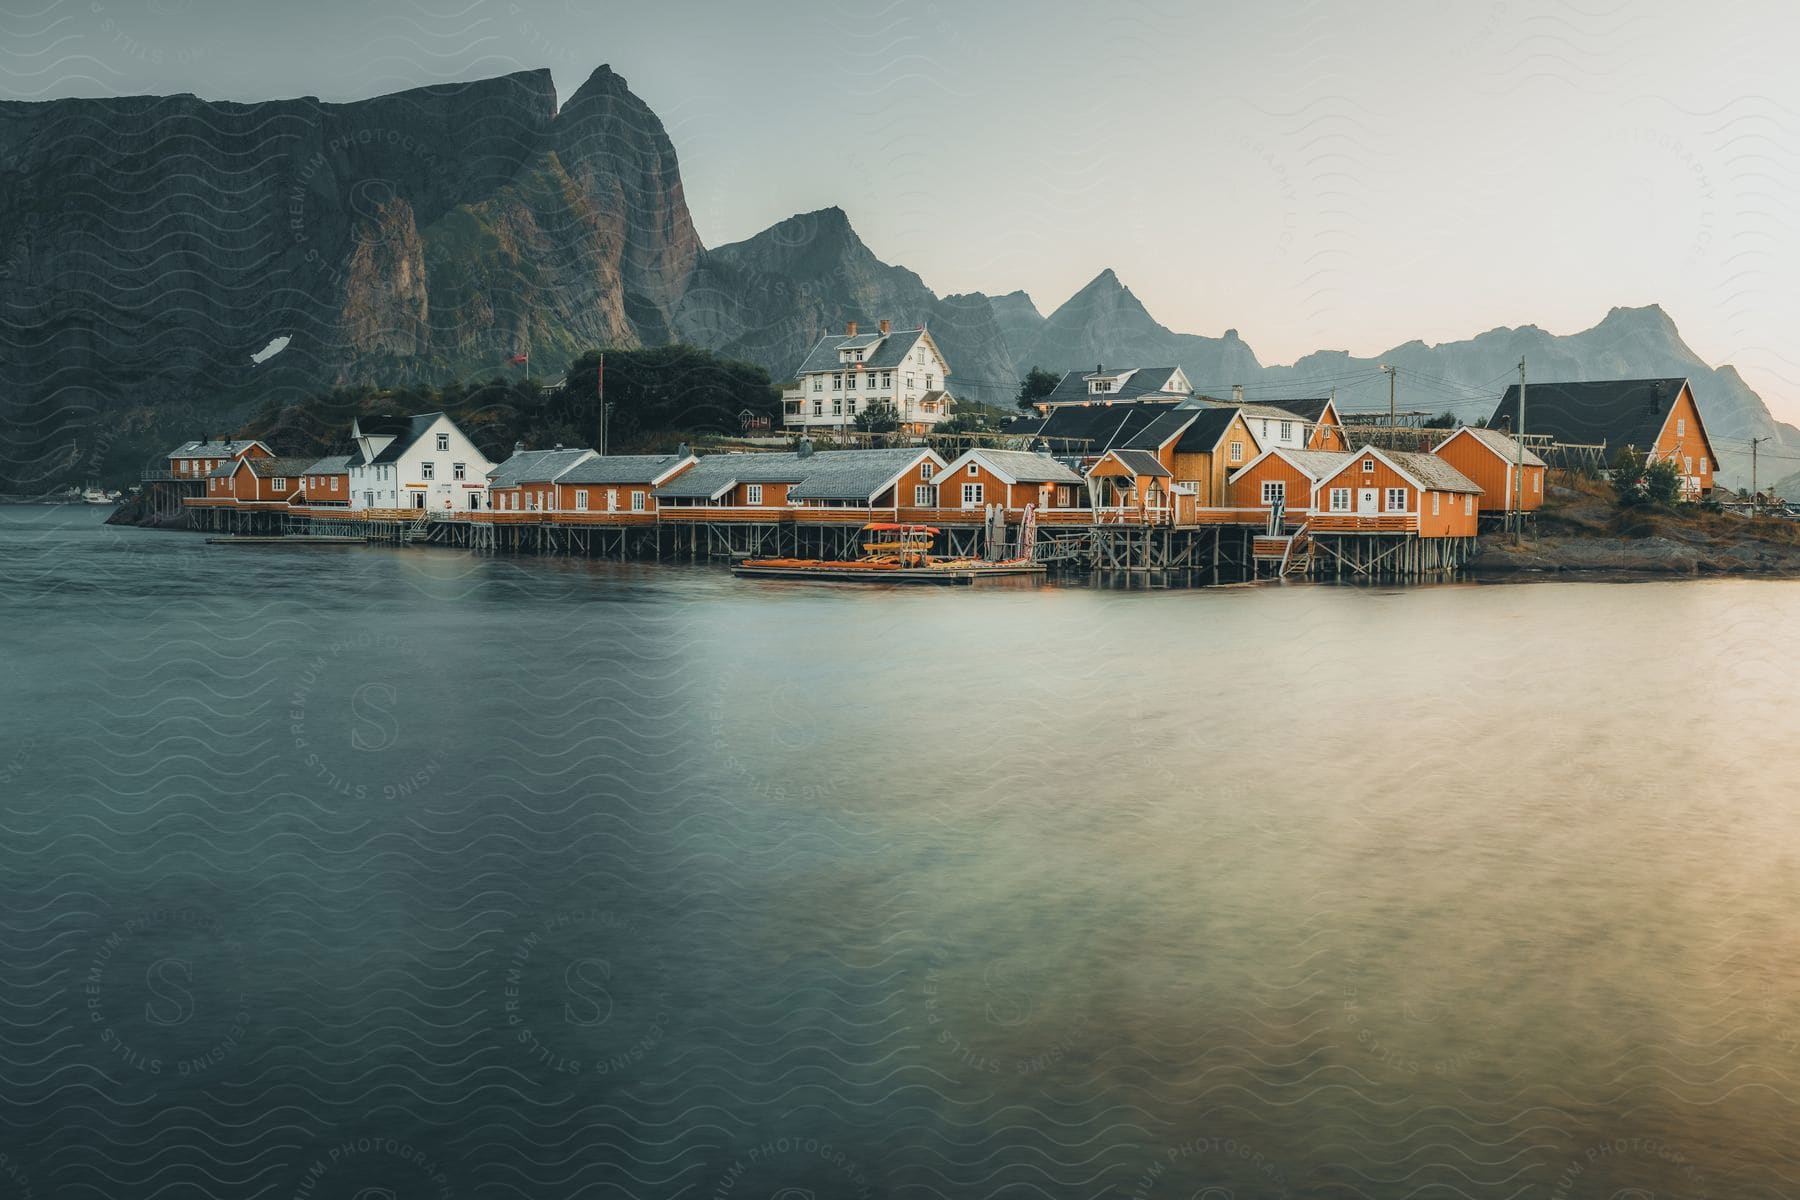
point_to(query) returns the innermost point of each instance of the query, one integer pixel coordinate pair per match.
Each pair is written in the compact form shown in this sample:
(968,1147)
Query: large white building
(847,374)
(419,462)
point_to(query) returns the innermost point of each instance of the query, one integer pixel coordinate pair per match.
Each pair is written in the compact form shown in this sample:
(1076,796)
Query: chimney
(682,450)
(1237,393)
(886,325)
(1099,368)
(805,448)
(850,329)
(518,447)
(558,446)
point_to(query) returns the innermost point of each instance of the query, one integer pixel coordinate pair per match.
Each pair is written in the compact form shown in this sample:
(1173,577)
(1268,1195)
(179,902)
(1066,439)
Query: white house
(1276,428)
(843,376)
(420,462)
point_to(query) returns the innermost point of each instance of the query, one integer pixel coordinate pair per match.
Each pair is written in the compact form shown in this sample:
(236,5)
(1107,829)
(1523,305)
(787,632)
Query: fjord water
(337,869)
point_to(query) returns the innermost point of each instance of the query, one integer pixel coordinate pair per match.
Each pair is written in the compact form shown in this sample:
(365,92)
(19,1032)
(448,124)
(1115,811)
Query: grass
(1578,504)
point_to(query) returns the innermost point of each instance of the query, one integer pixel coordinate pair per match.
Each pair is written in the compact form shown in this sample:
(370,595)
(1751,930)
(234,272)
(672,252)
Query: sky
(1313,175)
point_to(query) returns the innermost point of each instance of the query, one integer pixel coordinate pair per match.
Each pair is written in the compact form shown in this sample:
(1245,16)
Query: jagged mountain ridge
(153,244)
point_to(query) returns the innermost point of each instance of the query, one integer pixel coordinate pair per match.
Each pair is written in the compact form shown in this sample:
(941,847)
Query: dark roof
(404,430)
(623,468)
(1165,427)
(1619,412)
(1141,462)
(1306,410)
(534,466)
(852,474)
(1102,425)
(214,448)
(279,468)
(893,350)
(1209,426)
(1144,381)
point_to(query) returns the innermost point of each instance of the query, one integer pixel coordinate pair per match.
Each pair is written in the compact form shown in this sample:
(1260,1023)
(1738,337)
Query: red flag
(519,360)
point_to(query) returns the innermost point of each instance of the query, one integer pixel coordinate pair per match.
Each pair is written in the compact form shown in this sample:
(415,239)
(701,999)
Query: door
(1368,501)
(418,499)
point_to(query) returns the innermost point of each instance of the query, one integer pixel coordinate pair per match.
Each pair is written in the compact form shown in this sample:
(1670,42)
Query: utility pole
(1519,467)
(1755,496)
(600,395)
(1393,438)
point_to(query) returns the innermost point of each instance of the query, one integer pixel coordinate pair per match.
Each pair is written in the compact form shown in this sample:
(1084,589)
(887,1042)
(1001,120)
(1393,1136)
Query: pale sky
(1317,176)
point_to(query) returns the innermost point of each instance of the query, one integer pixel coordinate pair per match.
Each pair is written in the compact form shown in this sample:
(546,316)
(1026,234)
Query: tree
(1442,421)
(1637,483)
(1037,384)
(878,418)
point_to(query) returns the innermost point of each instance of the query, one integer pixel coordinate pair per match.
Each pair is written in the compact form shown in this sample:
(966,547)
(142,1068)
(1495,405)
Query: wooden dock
(286,539)
(957,574)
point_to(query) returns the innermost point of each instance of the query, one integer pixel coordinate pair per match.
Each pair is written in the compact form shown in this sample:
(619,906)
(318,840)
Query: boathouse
(199,458)
(1010,478)
(326,482)
(1284,478)
(1211,446)
(1656,418)
(1135,485)
(736,481)
(1392,491)
(526,481)
(617,487)
(897,479)
(1491,459)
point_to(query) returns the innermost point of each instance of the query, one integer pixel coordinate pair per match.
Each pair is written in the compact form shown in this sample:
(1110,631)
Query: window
(1680,426)
(1237,452)
(837,383)
(926,469)
(818,408)
(753,493)
(334,483)
(974,470)
(922,496)
(279,483)
(427,470)
(637,502)
(459,470)
(1368,466)
(580,499)
(1274,491)
(928,383)
(1265,431)
(1703,464)
(1287,431)
(1434,503)
(887,380)
(868,383)
(443,441)
(1687,466)
(853,406)
(1537,482)
(818,383)
(1468,506)
(1340,499)
(909,381)
(1396,499)
(859,356)
(971,495)
(837,406)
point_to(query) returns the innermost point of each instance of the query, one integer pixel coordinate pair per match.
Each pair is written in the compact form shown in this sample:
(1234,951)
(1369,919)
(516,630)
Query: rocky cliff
(154,249)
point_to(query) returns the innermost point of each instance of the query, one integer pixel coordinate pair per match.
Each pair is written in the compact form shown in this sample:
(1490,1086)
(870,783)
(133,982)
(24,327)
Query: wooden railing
(1377,523)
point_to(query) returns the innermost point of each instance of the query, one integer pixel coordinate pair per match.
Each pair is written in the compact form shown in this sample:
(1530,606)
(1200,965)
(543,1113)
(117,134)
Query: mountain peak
(603,80)
(1649,316)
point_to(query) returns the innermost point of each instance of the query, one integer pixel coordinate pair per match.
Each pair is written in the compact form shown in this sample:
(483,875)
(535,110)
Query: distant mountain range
(151,246)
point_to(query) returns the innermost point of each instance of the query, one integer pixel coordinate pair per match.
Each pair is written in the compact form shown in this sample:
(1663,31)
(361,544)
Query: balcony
(1395,522)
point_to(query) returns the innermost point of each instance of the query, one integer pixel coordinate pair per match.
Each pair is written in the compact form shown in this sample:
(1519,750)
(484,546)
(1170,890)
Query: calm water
(335,870)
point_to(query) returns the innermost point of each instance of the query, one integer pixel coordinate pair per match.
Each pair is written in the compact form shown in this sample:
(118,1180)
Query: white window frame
(443,441)
(926,469)
(922,496)
(428,470)
(581,499)
(1273,490)
(1340,499)
(971,495)
(1703,464)
(1680,426)
(1390,495)
(459,470)
(1434,503)
(753,493)
(818,383)
(1468,505)
(278,482)
(974,469)
(1287,431)
(1368,466)
(1237,452)
(637,500)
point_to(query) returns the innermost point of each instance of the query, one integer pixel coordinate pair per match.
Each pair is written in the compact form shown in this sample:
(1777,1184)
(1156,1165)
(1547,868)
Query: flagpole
(600,394)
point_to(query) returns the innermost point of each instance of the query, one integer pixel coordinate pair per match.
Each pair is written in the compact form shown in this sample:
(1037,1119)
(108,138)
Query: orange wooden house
(1211,446)
(1134,485)
(1390,491)
(200,458)
(1491,459)
(1010,478)
(526,482)
(326,482)
(1280,476)
(253,480)
(1655,418)
(617,488)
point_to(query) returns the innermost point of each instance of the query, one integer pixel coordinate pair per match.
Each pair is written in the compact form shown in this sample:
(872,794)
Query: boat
(96,496)
(892,553)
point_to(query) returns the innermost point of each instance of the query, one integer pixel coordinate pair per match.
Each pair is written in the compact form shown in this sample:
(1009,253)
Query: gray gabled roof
(1307,410)
(337,464)
(279,468)
(623,468)
(1145,382)
(1314,464)
(215,448)
(715,474)
(1022,466)
(1506,447)
(1141,462)
(1432,471)
(891,353)
(534,466)
(852,474)
(404,430)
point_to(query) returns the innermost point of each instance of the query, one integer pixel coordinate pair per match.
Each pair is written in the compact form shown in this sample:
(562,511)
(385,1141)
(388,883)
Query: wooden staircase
(1284,553)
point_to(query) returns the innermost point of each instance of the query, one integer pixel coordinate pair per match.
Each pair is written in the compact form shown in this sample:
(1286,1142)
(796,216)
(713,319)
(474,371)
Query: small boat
(893,553)
(96,496)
